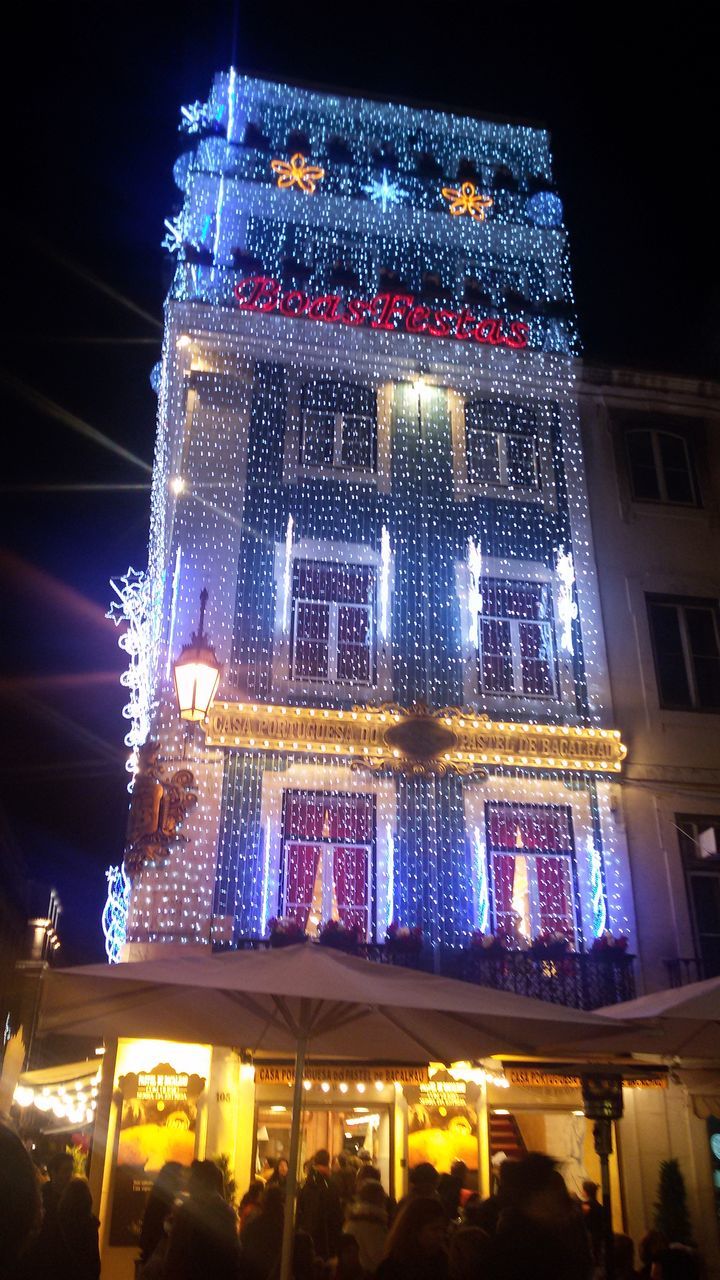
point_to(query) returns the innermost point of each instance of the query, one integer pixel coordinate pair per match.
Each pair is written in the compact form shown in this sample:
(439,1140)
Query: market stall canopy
(683,1021)
(343,1006)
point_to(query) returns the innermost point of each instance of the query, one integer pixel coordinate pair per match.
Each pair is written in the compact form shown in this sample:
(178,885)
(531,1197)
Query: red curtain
(301,864)
(350,876)
(542,828)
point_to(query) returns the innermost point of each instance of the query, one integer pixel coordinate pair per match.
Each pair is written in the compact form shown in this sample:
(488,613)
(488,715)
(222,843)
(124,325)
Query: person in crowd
(261,1239)
(343,1178)
(467,1253)
(367,1221)
(624,1257)
(166,1188)
(594,1219)
(76,1253)
(540,1230)
(415,1248)
(20,1203)
(278,1178)
(364,1156)
(348,1265)
(366,1173)
(252,1201)
(269,1166)
(423,1181)
(451,1189)
(203,1238)
(319,1211)
(652,1246)
(306,1265)
(60,1170)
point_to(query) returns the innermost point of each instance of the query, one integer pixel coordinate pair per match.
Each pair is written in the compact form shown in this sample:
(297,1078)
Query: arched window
(339,426)
(660,467)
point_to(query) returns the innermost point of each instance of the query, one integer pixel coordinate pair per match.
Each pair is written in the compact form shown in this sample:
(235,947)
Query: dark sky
(92,94)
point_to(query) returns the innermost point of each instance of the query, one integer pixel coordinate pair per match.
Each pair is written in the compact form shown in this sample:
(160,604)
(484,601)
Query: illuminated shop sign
(417,741)
(284,1073)
(392,312)
(530,1078)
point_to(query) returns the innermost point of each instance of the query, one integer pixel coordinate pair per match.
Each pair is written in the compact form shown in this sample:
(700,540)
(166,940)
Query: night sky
(92,97)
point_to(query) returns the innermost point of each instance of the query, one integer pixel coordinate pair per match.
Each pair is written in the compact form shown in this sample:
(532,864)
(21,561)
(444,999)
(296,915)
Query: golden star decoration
(467,200)
(297,173)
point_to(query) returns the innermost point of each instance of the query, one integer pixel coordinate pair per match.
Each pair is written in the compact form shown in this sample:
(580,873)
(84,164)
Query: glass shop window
(328,859)
(686,646)
(339,426)
(530,855)
(699,838)
(333,624)
(660,467)
(502,445)
(517,639)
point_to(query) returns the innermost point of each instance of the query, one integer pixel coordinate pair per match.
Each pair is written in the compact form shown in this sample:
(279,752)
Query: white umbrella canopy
(682,1021)
(343,1006)
(301,998)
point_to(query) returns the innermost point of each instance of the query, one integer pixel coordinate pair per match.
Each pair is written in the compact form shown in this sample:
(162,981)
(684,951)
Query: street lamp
(197,673)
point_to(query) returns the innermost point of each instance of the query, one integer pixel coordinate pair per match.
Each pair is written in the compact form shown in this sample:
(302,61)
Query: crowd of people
(347,1226)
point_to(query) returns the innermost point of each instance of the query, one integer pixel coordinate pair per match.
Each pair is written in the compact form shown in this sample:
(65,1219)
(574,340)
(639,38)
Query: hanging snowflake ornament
(466,199)
(385,191)
(296,172)
(115,912)
(193,117)
(173,237)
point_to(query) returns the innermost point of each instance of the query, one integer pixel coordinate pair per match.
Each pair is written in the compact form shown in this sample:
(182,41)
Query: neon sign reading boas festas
(393,312)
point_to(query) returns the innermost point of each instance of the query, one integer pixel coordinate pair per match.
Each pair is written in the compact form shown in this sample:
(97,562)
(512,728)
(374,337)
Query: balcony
(586,980)
(684,969)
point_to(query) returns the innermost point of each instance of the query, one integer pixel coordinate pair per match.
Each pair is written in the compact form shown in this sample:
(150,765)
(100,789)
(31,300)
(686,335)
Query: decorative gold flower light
(467,200)
(297,173)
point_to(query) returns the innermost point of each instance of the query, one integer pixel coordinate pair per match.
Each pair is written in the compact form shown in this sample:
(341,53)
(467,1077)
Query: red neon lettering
(463,319)
(355,311)
(519,334)
(483,332)
(417,319)
(385,311)
(324,308)
(443,325)
(263,293)
(393,304)
(288,307)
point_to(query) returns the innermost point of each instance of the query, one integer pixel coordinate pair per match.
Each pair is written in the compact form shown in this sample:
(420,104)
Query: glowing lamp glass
(197,675)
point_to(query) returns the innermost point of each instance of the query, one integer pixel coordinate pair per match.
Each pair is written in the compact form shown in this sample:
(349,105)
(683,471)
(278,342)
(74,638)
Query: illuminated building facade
(368,451)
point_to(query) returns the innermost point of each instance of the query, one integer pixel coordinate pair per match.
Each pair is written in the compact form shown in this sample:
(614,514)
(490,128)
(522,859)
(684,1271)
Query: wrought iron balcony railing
(586,980)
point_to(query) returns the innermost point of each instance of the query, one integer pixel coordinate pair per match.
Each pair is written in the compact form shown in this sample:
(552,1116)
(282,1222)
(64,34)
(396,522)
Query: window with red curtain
(332,622)
(328,841)
(530,854)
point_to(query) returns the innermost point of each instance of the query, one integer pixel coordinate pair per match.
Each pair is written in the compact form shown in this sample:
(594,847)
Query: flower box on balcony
(285,932)
(335,934)
(403,940)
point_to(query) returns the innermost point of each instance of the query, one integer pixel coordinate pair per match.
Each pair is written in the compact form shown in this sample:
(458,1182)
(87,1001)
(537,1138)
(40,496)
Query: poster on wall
(158,1123)
(443,1122)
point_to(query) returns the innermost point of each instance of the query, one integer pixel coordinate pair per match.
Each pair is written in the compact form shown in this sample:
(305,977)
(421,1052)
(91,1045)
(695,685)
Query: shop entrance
(338,1128)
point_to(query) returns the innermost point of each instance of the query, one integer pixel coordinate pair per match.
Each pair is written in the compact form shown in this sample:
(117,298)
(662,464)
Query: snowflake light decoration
(173,237)
(297,173)
(193,117)
(138,641)
(385,191)
(465,199)
(567,607)
(597,889)
(115,912)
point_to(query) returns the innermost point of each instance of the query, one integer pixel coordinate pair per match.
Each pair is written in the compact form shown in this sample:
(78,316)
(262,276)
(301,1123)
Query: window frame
(568,857)
(680,604)
(516,656)
(338,441)
(333,643)
(655,433)
(543,493)
(284,682)
(295,469)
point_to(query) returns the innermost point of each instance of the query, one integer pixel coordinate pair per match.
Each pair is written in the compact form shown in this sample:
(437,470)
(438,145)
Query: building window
(686,646)
(516,639)
(660,467)
(328,861)
(532,875)
(700,848)
(333,632)
(339,426)
(502,445)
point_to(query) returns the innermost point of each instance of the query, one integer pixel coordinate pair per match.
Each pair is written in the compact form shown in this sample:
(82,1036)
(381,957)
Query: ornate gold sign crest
(157,808)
